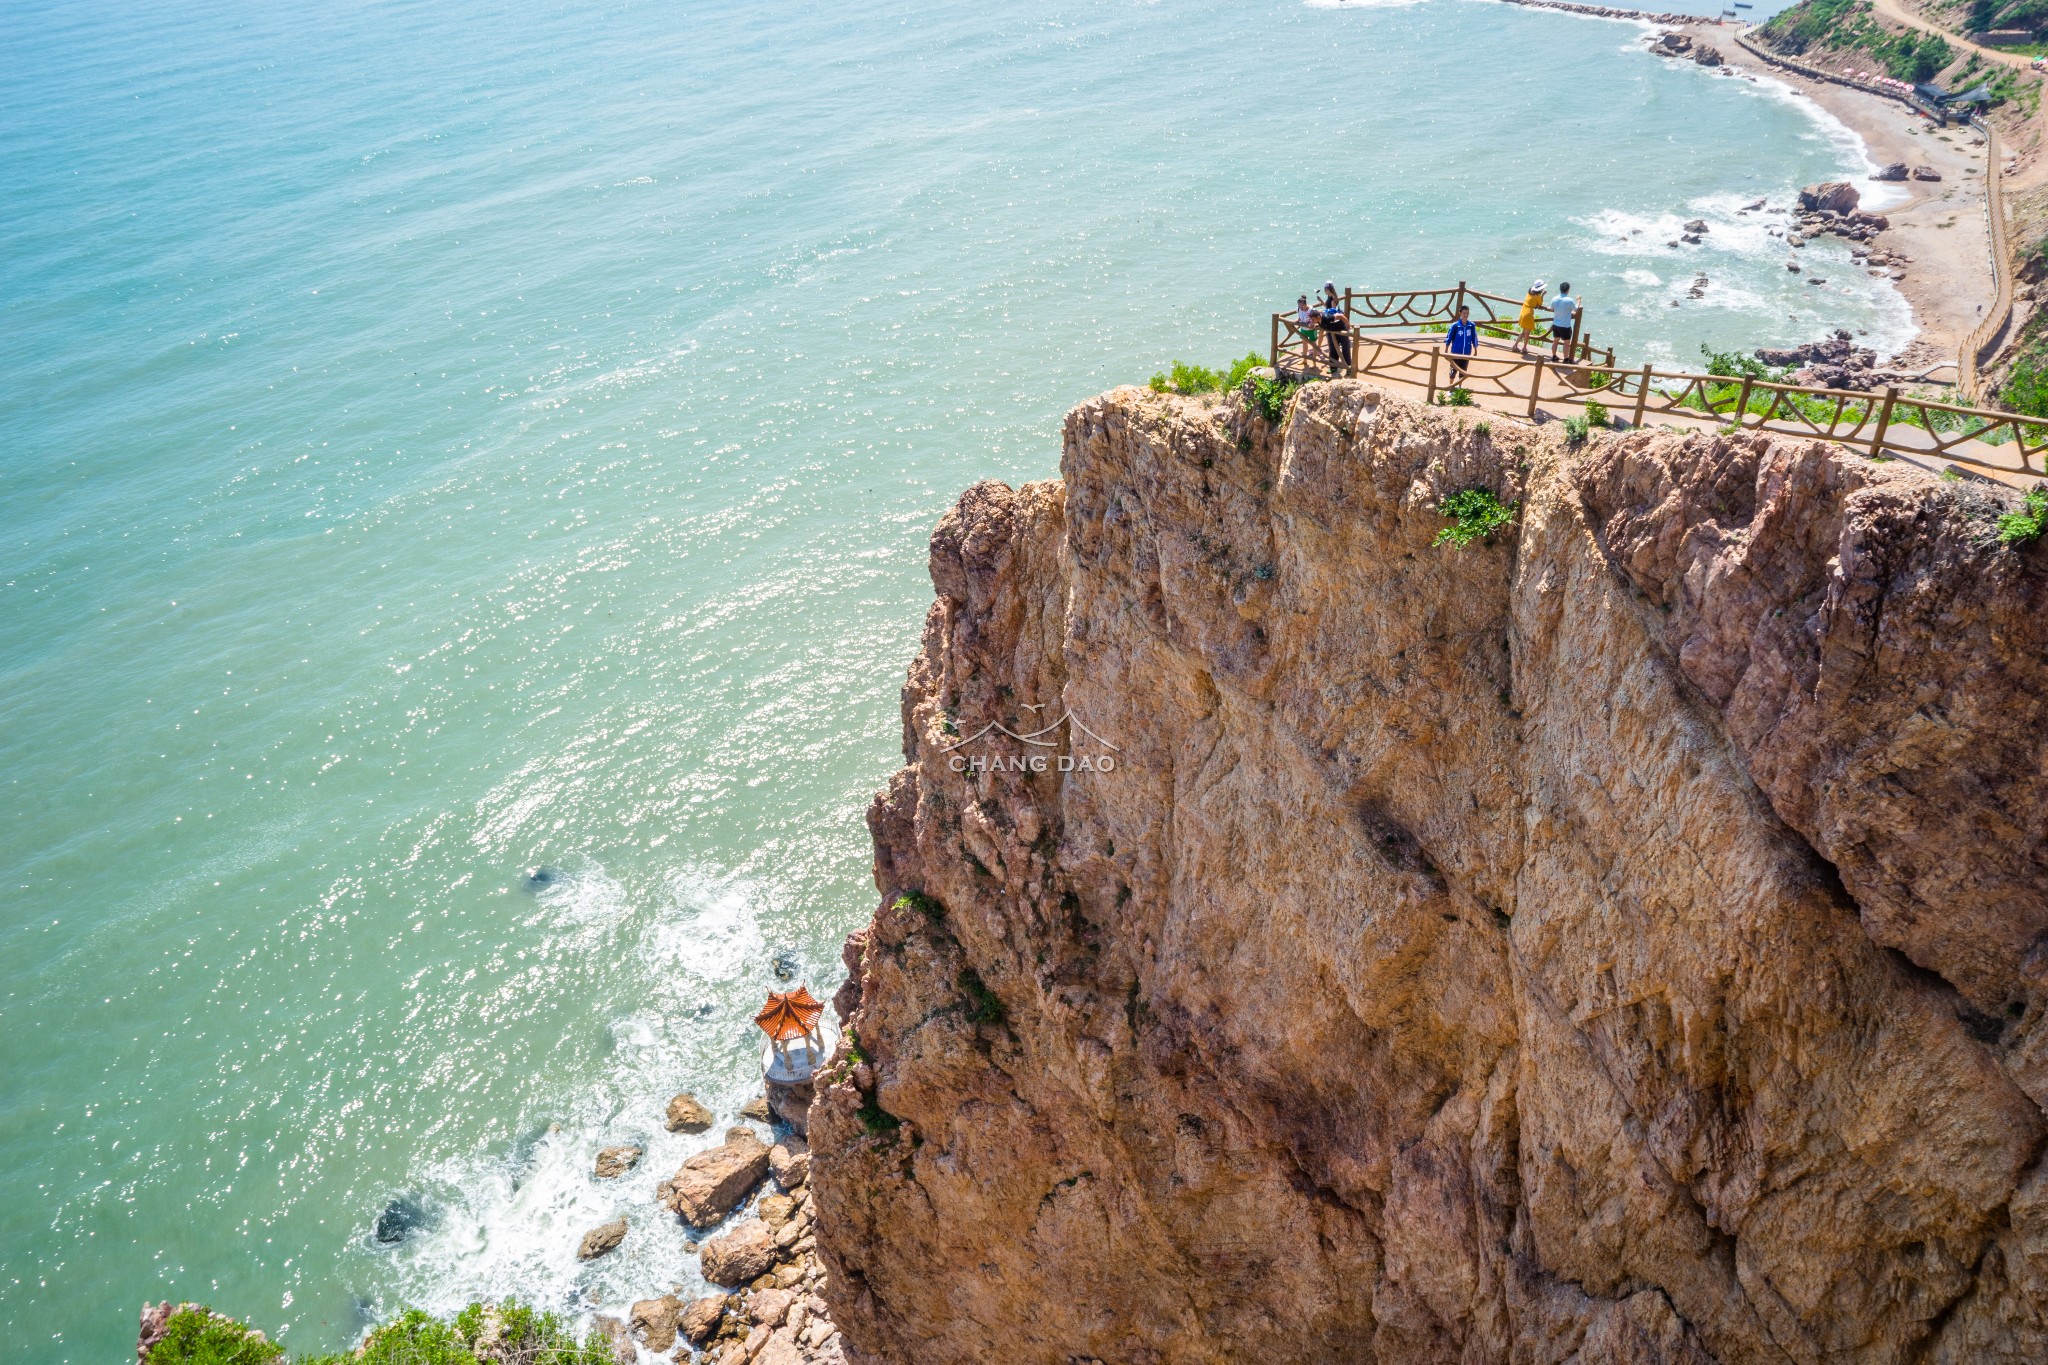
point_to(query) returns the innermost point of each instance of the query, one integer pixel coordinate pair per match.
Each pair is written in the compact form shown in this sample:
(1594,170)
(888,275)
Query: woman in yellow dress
(1527,321)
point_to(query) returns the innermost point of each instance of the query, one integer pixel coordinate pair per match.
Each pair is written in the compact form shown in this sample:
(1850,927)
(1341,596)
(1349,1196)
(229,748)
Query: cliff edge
(1626,940)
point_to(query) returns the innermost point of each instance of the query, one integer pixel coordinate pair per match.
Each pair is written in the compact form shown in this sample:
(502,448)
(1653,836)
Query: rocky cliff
(1623,941)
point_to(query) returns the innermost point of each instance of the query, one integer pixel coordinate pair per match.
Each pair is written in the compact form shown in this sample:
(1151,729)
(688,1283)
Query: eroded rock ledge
(1625,942)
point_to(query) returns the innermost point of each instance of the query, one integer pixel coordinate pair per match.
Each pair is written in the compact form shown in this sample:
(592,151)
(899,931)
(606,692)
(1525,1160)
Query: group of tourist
(1326,321)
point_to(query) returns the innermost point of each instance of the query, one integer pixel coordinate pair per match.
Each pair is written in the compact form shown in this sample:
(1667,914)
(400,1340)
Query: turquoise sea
(464,477)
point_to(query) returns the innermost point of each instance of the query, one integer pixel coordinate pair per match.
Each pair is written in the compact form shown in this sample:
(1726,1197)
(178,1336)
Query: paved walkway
(1557,401)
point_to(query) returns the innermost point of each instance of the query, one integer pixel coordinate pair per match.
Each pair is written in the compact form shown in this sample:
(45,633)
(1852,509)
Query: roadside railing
(1971,354)
(1886,423)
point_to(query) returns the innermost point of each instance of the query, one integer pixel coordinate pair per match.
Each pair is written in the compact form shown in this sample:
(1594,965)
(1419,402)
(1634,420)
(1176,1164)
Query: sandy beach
(1939,226)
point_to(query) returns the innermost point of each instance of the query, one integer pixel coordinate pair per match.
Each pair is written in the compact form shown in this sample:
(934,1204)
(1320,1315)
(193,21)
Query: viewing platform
(1397,340)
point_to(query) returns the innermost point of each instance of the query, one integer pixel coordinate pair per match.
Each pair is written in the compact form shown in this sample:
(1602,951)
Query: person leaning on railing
(1337,331)
(1462,341)
(1305,319)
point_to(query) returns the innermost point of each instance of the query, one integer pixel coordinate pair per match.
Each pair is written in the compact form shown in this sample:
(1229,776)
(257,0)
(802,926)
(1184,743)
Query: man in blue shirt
(1462,342)
(1564,317)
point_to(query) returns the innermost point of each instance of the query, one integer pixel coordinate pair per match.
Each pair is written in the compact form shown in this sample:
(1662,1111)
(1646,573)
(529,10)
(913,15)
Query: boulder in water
(601,1241)
(616,1161)
(712,1184)
(1895,171)
(654,1322)
(1830,196)
(686,1115)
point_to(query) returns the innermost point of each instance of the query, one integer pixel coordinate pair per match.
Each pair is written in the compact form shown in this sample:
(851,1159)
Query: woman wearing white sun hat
(1527,322)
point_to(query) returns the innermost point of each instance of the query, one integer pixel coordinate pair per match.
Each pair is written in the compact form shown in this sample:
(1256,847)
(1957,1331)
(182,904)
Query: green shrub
(1458,397)
(982,1005)
(1474,515)
(923,904)
(524,1337)
(1598,416)
(198,1336)
(1193,379)
(876,1119)
(1575,430)
(2023,526)
(1187,379)
(1270,398)
(1482,428)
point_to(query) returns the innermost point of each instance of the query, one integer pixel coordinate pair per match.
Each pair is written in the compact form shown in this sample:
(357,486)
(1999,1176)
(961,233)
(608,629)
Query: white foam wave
(507,1222)
(714,929)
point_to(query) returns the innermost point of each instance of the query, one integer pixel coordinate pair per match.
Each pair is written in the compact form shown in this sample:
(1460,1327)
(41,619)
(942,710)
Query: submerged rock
(404,1215)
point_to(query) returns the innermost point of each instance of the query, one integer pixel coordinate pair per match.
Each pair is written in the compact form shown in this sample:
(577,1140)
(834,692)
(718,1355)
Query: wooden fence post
(1884,419)
(1535,388)
(1642,397)
(1275,355)
(1459,301)
(1431,399)
(1742,402)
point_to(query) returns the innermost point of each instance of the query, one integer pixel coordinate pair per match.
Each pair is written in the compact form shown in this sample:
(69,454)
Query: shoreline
(1938,226)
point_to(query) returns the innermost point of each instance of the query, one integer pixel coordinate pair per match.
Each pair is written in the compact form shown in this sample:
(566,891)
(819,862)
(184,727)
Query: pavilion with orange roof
(796,1038)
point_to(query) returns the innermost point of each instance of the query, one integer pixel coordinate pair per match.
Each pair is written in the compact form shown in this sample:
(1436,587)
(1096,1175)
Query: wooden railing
(1877,424)
(1414,310)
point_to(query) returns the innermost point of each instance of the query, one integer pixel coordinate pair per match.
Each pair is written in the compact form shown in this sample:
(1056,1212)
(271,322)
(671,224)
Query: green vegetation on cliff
(1839,24)
(502,1334)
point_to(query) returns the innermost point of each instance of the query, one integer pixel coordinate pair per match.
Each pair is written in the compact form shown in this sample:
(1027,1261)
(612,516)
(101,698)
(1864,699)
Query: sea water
(465,471)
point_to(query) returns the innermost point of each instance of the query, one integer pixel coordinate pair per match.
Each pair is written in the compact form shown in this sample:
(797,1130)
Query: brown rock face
(1626,941)
(712,1184)
(743,1254)
(1832,196)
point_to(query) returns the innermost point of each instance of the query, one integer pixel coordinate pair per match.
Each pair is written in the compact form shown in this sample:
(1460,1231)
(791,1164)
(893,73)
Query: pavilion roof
(791,1014)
